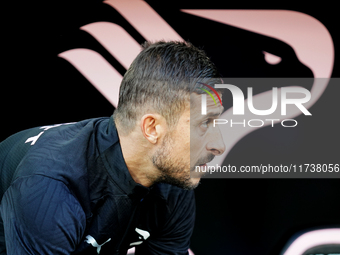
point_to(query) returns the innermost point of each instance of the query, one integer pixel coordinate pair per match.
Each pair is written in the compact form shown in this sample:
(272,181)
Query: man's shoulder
(63,131)
(63,145)
(54,151)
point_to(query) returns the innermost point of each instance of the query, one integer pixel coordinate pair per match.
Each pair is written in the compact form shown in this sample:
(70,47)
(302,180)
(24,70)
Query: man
(104,185)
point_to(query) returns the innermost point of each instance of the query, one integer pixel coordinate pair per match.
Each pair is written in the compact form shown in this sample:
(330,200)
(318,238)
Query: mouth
(199,171)
(205,160)
(202,167)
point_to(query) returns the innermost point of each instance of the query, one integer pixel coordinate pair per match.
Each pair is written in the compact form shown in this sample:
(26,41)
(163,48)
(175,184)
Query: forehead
(196,101)
(212,108)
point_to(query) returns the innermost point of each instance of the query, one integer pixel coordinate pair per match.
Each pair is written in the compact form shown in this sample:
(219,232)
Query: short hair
(160,80)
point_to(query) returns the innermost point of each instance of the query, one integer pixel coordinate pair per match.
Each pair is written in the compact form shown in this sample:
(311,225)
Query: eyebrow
(214,114)
(211,114)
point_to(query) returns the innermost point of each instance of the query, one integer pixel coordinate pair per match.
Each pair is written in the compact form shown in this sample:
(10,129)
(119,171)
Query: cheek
(197,147)
(183,140)
(181,151)
(186,148)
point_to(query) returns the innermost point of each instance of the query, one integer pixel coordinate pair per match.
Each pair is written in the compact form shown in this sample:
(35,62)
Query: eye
(204,125)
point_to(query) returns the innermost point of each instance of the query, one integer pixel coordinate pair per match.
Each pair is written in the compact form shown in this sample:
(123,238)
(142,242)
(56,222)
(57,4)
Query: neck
(136,156)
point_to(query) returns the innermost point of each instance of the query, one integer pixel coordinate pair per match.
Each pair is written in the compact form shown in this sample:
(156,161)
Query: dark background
(234,216)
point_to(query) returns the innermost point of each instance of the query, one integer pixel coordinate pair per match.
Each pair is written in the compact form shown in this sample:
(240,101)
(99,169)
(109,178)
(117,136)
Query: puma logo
(93,242)
(143,235)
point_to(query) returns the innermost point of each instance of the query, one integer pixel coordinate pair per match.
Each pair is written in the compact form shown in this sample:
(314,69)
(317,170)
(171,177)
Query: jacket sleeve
(41,216)
(174,237)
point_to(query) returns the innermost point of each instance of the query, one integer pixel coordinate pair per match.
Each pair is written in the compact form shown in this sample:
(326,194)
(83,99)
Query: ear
(153,127)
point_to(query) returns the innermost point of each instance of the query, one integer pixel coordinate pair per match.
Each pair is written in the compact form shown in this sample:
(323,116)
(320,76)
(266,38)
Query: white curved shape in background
(145,20)
(312,239)
(271,58)
(96,70)
(121,45)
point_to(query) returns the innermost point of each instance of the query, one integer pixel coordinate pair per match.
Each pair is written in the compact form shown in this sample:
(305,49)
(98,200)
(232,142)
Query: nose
(215,143)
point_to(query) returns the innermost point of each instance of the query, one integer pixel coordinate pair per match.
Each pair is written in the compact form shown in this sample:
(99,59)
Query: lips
(198,171)
(203,167)
(205,160)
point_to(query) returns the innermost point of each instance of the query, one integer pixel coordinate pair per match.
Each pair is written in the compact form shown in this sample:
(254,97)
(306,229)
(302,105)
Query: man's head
(154,104)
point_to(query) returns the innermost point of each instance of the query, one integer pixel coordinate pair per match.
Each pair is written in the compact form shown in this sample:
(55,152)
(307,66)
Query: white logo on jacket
(143,235)
(93,242)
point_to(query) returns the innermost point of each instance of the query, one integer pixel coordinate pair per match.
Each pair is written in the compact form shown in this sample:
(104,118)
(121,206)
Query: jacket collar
(111,153)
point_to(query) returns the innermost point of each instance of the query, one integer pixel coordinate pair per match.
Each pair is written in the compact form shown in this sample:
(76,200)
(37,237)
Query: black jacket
(66,189)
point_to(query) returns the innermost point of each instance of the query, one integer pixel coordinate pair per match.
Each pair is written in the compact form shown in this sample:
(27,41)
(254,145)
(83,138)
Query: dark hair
(161,79)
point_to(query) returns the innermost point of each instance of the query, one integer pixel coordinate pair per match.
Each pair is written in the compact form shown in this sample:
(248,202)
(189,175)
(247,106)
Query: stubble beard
(171,171)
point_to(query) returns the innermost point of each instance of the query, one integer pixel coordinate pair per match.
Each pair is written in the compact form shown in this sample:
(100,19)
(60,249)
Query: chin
(189,183)
(194,182)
